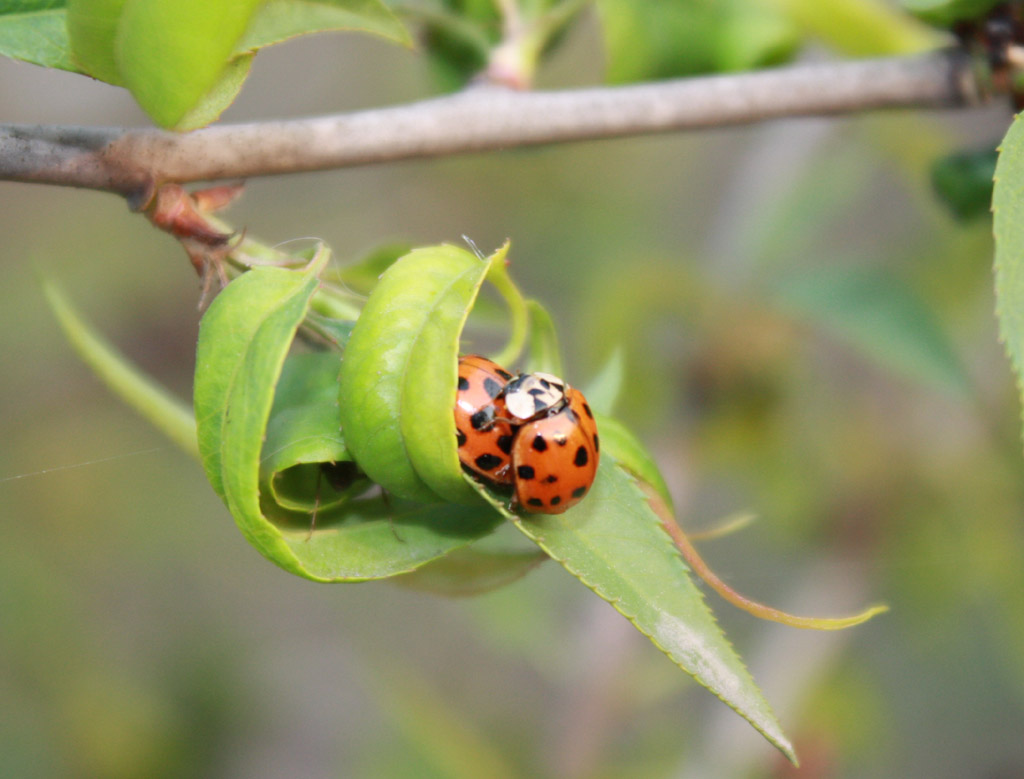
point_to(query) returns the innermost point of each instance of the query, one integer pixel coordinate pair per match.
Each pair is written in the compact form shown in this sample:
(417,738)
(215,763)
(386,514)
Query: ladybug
(483,432)
(555,455)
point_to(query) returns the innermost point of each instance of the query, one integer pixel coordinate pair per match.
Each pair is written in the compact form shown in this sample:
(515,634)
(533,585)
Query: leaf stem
(753,607)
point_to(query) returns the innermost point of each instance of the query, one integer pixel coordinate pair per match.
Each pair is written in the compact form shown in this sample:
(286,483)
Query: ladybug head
(534,395)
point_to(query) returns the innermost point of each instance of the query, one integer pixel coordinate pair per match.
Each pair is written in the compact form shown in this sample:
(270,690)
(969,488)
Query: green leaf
(882,317)
(157,405)
(652,39)
(35,31)
(449,742)
(861,28)
(304,432)
(614,543)
(397,383)
(544,353)
(361,276)
(280,20)
(221,95)
(519,310)
(243,342)
(1008,225)
(603,390)
(945,13)
(172,53)
(472,571)
(963,181)
(458,36)
(619,442)
(92,29)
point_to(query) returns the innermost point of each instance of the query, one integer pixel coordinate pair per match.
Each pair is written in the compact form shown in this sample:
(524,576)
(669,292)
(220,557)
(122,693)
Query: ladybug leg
(391,520)
(316,506)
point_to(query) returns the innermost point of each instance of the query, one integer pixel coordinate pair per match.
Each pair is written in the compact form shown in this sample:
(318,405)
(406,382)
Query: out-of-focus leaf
(519,319)
(36,31)
(861,28)
(361,275)
(459,35)
(603,390)
(279,20)
(165,412)
(614,543)
(449,742)
(92,30)
(963,181)
(653,39)
(472,571)
(544,354)
(945,13)
(172,53)
(882,317)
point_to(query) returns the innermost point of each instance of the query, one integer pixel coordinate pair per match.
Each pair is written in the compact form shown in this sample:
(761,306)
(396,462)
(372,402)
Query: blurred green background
(809,336)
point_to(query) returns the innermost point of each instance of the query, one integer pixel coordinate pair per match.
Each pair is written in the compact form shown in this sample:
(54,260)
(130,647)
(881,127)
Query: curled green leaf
(397,381)
(245,339)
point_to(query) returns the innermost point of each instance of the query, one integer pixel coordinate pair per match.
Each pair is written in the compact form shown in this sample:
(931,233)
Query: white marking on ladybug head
(534,395)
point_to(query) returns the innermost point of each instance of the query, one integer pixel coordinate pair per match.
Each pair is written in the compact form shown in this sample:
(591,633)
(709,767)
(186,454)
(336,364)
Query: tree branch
(478,119)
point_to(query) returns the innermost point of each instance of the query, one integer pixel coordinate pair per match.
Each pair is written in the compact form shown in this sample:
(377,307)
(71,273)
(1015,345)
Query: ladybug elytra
(484,436)
(532,431)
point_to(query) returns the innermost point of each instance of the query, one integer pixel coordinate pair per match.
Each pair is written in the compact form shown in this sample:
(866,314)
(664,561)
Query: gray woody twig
(479,119)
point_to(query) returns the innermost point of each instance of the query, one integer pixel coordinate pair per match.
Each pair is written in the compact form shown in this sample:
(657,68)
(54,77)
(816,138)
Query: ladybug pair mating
(532,431)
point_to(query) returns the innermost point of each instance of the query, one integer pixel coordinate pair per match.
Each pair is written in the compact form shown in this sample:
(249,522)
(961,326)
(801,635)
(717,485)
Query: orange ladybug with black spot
(556,448)
(482,430)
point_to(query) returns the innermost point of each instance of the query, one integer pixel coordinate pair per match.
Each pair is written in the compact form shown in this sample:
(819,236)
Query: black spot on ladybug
(525,472)
(460,437)
(491,387)
(505,443)
(504,374)
(535,502)
(551,479)
(539,444)
(586,408)
(486,462)
(463,383)
(482,418)
(581,457)
(535,392)
(579,492)
(597,443)
(555,500)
